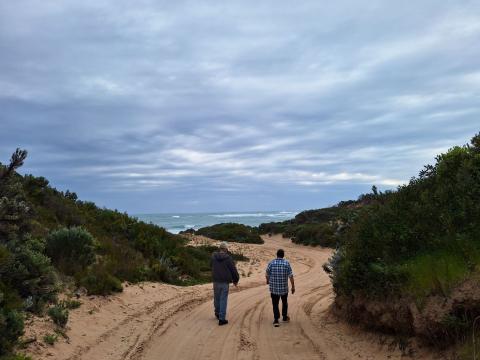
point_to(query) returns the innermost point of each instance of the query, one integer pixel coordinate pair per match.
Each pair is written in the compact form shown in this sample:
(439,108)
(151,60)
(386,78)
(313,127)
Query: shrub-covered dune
(322,227)
(409,263)
(50,239)
(231,232)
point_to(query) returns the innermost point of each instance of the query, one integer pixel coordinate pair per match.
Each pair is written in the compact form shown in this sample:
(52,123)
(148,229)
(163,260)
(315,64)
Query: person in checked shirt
(277,275)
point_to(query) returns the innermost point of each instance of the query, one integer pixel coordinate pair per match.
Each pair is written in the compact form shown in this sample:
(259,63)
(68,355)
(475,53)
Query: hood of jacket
(220,256)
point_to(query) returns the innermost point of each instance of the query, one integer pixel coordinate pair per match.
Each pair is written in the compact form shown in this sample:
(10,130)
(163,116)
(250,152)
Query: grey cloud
(158,106)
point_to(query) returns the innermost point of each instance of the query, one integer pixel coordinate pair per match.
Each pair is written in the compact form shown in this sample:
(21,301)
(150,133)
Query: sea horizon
(175,222)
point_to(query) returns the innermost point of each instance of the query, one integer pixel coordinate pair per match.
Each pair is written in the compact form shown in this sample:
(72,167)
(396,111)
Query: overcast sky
(173,106)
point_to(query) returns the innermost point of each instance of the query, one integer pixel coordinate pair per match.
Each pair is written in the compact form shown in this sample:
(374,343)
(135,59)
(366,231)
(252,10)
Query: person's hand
(293,290)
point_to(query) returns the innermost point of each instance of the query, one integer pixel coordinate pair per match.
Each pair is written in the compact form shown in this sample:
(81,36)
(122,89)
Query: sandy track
(168,322)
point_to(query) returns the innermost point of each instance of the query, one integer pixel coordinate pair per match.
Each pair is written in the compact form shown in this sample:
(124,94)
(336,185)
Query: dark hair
(280,253)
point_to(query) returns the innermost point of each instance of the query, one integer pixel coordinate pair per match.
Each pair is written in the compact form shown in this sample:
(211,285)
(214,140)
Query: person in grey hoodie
(224,272)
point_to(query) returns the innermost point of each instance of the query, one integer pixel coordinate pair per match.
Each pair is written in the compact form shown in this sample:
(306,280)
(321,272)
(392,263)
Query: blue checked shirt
(278,272)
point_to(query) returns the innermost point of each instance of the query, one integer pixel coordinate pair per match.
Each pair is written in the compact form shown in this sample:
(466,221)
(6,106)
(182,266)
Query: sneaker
(276,323)
(222,322)
(286,318)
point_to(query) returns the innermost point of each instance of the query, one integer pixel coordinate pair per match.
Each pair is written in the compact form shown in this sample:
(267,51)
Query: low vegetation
(50,339)
(59,315)
(231,232)
(322,227)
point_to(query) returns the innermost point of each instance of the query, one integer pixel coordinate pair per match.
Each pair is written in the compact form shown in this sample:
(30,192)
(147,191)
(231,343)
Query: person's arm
(267,274)
(290,276)
(233,271)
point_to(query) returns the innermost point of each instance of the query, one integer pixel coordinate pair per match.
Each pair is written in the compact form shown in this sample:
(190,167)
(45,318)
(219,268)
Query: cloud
(191,105)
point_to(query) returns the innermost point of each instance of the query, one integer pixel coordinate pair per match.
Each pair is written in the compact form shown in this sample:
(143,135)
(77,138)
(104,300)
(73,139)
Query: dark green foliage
(317,216)
(98,280)
(11,326)
(163,269)
(231,232)
(59,314)
(71,250)
(15,357)
(11,318)
(16,161)
(50,339)
(70,304)
(316,234)
(324,227)
(288,228)
(424,238)
(28,271)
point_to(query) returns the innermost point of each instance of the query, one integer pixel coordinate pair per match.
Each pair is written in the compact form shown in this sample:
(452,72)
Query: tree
(17,159)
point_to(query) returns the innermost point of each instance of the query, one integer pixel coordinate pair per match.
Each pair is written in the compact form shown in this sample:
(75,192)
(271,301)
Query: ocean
(176,222)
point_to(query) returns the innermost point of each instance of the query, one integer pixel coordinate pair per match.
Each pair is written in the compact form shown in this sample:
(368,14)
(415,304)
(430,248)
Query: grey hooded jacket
(223,268)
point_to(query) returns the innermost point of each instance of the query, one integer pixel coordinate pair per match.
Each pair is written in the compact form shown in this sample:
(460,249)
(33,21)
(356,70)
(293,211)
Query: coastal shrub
(71,250)
(423,238)
(15,357)
(70,304)
(275,227)
(11,327)
(231,232)
(11,318)
(99,281)
(59,314)
(28,271)
(163,269)
(316,234)
(324,227)
(50,339)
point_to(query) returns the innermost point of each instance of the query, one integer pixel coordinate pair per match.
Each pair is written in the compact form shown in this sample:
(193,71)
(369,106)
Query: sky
(202,106)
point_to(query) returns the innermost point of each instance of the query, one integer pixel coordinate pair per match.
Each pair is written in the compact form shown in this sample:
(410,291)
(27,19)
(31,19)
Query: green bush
(28,271)
(316,234)
(59,315)
(324,227)
(15,357)
(11,328)
(11,318)
(50,339)
(71,250)
(163,269)
(231,232)
(99,281)
(70,304)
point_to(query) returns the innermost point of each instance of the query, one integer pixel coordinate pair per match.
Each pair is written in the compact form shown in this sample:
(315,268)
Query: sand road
(166,322)
(250,334)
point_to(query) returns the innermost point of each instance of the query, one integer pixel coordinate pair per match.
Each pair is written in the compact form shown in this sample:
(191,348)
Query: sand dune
(158,321)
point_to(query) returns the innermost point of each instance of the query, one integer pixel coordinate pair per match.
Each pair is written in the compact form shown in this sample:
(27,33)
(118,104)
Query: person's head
(280,253)
(223,246)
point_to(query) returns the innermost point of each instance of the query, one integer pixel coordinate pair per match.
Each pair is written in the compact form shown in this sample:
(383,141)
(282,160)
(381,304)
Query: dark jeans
(220,297)
(275,301)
